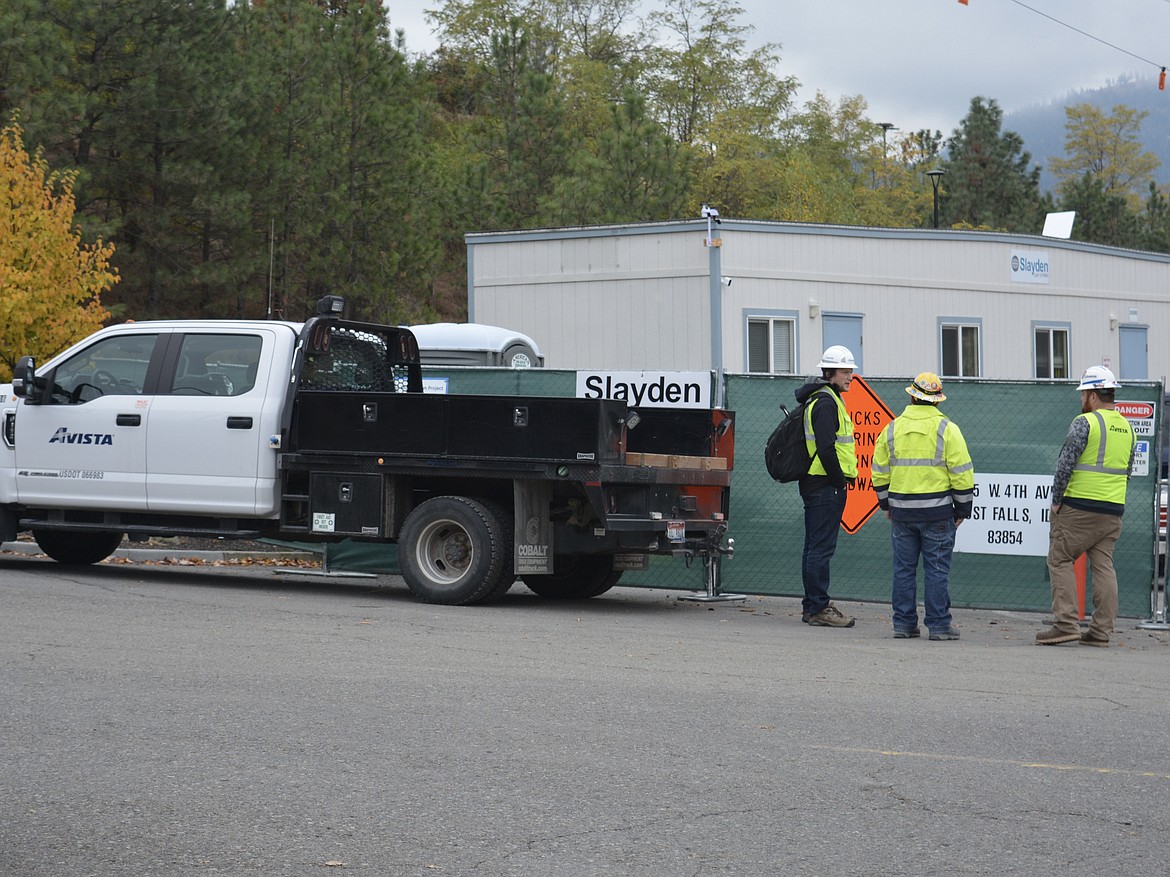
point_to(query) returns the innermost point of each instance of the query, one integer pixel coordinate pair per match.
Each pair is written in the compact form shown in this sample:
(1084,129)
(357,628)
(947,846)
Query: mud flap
(534,533)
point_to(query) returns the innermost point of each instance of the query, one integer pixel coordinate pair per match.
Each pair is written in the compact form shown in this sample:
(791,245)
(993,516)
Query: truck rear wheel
(508,572)
(453,550)
(77,548)
(575,577)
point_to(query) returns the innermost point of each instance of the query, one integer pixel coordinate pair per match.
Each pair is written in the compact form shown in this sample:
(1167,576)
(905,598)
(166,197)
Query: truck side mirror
(24,380)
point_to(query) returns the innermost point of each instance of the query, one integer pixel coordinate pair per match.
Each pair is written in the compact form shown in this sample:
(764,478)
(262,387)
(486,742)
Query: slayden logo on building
(1029,266)
(647,389)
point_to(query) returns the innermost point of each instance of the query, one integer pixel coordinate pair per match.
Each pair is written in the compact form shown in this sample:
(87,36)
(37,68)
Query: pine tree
(1103,217)
(990,180)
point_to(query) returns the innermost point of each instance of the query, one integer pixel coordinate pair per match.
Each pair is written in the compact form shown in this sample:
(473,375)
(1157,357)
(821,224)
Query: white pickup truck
(320,431)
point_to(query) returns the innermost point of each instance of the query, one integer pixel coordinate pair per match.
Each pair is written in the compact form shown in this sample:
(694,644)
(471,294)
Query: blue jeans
(822,521)
(934,542)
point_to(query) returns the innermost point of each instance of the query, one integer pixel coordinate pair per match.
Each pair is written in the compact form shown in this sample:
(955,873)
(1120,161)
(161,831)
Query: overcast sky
(918,63)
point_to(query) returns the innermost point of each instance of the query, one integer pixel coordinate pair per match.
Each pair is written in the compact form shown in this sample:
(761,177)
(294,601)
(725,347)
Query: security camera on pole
(715,290)
(715,287)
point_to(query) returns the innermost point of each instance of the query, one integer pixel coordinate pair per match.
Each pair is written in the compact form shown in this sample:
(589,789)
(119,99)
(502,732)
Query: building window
(771,345)
(1051,352)
(960,350)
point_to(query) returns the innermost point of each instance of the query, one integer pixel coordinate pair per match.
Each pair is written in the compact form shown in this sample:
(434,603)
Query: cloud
(918,63)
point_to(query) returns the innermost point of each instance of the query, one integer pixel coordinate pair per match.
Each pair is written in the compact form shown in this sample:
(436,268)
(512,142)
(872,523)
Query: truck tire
(452,550)
(508,573)
(575,577)
(77,548)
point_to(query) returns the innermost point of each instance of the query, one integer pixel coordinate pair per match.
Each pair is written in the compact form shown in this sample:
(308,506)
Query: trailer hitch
(713,553)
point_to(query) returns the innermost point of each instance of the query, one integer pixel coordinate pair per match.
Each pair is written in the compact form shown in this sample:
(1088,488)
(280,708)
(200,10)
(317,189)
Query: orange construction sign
(870,416)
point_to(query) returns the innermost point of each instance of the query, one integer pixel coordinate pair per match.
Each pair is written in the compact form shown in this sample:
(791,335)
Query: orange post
(1079,565)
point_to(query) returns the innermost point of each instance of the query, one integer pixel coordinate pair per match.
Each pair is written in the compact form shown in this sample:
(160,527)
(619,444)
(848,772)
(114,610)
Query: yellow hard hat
(927,387)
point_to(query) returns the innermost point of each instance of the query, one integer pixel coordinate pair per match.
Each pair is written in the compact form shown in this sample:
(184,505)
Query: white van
(475,344)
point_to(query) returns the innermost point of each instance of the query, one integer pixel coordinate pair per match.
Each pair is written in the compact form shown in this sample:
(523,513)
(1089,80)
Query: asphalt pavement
(165,719)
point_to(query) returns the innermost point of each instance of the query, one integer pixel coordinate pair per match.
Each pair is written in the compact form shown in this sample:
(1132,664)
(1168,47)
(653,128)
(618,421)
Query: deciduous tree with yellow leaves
(50,280)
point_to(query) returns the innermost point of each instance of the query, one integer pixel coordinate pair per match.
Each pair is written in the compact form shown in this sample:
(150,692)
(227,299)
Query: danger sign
(870,416)
(1140,416)
(1135,410)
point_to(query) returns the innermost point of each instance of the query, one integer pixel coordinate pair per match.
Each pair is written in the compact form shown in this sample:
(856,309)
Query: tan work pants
(1074,532)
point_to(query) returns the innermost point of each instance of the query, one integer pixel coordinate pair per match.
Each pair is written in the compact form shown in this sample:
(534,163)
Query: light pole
(886,127)
(935,175)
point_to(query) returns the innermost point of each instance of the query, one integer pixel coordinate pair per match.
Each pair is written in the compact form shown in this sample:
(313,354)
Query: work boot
(940,635)
(1087,639)
(831,616)
(908,634)
(1054,636)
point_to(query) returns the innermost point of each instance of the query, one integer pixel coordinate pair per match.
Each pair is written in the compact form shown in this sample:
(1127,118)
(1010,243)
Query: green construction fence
(1011,428)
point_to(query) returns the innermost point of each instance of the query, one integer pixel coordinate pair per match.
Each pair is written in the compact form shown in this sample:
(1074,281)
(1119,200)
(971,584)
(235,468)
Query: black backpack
(786,454)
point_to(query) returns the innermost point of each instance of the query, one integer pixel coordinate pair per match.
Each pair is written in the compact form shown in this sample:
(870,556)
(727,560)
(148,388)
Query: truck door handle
(128,420)
(239,423)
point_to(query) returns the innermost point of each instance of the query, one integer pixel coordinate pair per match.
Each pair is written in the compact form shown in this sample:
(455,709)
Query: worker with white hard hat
(1088,500)
(828,433)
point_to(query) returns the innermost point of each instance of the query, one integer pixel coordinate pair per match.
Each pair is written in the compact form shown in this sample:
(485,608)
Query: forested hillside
(244,159)
(1043,126)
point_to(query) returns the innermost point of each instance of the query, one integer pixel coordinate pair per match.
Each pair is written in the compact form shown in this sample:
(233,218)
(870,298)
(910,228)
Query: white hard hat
(837,357)
(1097,377)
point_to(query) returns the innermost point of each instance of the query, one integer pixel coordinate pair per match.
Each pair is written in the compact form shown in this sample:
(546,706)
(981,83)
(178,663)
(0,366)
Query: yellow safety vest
(921,462)
(1102,470)
(846,455)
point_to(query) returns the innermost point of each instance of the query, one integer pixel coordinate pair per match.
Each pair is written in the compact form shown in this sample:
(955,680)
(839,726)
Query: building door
(1134,364)
(844,329)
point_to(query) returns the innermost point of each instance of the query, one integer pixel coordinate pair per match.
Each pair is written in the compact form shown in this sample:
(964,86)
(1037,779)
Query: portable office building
(746,296)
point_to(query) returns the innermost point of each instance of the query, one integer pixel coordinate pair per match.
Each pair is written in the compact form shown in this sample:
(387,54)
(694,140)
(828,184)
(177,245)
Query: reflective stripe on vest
(846,456)
(1102,469)
(930,489)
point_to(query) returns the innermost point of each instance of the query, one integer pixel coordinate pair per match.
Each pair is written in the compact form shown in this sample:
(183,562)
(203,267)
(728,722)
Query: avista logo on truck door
(65,437)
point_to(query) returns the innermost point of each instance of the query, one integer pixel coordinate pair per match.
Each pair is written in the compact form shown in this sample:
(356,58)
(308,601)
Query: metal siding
(637,297)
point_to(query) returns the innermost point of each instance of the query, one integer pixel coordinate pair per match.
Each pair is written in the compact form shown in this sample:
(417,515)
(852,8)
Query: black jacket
(824,424)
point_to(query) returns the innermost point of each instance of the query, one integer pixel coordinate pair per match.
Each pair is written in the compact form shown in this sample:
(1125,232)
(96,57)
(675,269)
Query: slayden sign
(1010,516)
(870,416)
(647,389)
(1029,266)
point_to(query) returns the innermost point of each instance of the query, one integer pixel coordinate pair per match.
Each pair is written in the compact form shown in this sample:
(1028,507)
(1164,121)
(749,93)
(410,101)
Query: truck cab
(167,417)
